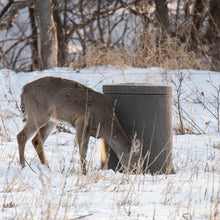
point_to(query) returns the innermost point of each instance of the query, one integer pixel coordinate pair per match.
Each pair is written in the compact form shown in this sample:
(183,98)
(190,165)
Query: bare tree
(34,40)
(213,33)
(197,19)
(61,27)
(12,45)
(142,27)
(162,15)
(10,12)
(47,33)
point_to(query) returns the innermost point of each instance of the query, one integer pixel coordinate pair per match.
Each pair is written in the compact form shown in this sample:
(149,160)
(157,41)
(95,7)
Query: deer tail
(22,106)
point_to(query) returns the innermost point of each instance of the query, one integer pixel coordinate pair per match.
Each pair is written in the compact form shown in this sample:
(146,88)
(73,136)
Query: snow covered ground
(63,193)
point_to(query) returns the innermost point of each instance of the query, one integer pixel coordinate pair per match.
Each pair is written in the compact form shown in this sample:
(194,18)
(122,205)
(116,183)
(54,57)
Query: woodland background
(42,34)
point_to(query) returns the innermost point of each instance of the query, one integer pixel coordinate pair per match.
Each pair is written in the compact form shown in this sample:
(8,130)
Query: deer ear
(137,145)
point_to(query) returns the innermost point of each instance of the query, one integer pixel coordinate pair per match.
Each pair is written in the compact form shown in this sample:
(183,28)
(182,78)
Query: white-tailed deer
(49,99)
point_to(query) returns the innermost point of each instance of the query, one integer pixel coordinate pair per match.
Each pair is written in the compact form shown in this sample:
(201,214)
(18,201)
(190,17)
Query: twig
(30,167)
(82,216)
(192,122)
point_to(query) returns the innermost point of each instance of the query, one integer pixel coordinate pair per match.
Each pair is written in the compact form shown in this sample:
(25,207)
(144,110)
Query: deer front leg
(39,140)
(104,156)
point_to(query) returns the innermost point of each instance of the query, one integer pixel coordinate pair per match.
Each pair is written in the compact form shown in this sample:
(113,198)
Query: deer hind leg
(83,134)
(22,138)
(39,140)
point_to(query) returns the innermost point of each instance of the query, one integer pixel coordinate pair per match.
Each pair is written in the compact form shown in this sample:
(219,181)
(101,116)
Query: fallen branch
(82,216)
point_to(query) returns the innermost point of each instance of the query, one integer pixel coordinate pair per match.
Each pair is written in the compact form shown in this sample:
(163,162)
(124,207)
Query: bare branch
(10,12)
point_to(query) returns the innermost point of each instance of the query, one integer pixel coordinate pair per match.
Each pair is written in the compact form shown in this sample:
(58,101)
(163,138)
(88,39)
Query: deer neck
(118,140)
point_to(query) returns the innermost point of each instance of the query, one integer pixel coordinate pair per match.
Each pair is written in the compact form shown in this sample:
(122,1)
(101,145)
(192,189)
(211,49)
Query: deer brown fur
(50,99)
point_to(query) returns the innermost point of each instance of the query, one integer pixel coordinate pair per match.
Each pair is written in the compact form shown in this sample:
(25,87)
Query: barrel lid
(137,88)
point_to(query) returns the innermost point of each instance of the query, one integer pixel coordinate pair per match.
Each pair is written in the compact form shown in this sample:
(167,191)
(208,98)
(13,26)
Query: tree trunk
(47,34)
(196,24)
(162,15)
(34,42)
(213,33)
(61,36)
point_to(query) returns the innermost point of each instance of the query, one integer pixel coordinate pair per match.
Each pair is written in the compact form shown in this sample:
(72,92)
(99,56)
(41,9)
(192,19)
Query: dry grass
(154,52)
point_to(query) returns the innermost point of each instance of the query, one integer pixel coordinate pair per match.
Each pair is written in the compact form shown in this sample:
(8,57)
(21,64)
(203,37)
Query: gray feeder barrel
(147,110)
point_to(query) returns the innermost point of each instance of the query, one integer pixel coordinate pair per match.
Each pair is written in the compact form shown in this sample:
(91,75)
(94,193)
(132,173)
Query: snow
(62,192)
